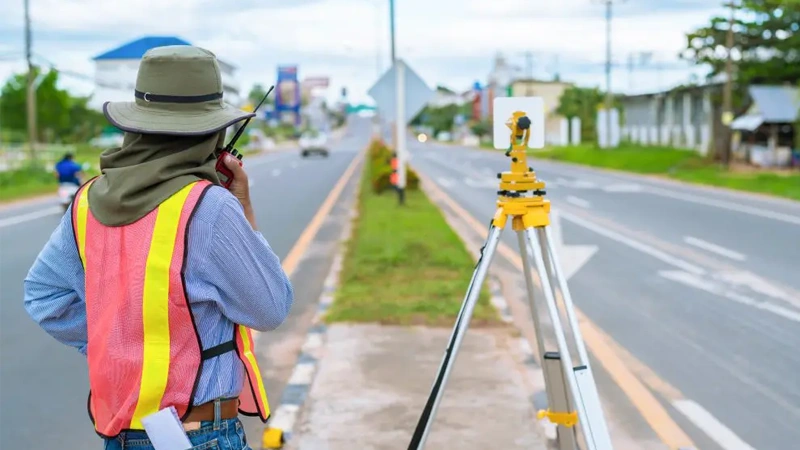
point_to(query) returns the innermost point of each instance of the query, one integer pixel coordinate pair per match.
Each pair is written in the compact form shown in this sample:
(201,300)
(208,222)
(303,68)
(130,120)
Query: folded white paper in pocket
(165,430)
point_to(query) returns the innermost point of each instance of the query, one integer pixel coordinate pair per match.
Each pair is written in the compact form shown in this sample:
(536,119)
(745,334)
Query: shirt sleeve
(253,288)
(54,288)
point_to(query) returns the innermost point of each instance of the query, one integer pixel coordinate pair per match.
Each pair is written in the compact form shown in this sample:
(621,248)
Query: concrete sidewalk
(372,382)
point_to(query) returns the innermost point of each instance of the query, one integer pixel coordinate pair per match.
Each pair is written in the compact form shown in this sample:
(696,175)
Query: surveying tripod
(571,391)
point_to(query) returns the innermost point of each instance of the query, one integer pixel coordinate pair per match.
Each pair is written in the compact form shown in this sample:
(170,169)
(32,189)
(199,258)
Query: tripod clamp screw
(566,419)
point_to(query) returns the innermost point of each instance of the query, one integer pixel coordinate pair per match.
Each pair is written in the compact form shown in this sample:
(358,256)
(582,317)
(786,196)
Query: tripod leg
(563,349)
(599,426)
(459,330)
(557,393)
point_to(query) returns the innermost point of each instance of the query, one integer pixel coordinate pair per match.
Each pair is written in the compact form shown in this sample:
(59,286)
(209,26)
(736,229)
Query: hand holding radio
(225,173)
(239,184)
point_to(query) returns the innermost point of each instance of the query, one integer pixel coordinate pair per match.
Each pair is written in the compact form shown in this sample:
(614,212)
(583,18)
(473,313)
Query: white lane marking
(285,417)
(480,183)
(623,187)
(276,172)
(578,201)
(696,281)
(445,182)
(250,182)
(714,248)
(22,218)
(704,420)
(303,374)
(294,164)
(644,248)
(788,218)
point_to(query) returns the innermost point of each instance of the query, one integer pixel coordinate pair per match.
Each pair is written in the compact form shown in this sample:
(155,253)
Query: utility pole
(609,95)
(528,72)
(727,93)
(400,122)
(31,91)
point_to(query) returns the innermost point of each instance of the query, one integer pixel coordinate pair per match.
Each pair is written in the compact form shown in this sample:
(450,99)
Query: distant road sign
(417,93)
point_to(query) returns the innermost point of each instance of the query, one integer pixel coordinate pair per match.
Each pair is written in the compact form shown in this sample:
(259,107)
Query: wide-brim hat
(178,92)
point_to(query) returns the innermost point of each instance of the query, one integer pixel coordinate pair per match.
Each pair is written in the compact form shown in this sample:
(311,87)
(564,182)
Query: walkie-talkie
(223,173)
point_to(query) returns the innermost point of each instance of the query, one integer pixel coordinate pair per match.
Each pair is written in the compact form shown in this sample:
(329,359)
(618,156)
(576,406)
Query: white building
(115,71)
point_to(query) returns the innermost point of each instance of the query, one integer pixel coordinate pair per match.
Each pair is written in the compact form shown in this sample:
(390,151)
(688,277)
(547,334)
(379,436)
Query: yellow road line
(602,346)
(293,258)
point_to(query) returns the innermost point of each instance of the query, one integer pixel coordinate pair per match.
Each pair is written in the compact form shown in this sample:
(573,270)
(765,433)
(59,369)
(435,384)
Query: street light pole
(391,28)
(31,91)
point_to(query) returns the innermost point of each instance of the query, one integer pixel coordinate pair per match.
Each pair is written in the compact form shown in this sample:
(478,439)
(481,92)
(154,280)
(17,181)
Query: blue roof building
(115,70)
(136,49)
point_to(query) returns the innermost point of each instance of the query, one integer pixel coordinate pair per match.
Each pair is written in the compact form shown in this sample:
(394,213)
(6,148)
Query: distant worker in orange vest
(157,273)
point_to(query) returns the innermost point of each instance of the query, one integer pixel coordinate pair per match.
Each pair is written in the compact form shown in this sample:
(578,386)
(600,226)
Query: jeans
(228,435)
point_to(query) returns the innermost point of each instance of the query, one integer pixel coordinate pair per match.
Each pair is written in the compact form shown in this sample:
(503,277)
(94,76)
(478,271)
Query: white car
(313,142)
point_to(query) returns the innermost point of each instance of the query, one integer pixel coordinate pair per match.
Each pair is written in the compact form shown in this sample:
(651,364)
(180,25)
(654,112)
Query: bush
(380,169)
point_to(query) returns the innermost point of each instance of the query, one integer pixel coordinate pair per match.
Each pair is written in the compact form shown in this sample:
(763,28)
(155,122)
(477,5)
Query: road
(696,289)
(43,384)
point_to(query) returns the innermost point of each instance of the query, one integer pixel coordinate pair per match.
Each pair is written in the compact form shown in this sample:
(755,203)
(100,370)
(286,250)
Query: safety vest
(144,351)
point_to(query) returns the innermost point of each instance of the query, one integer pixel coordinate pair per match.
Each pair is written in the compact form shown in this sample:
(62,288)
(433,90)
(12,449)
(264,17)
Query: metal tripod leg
(557,394)
(583,393)
(591,398)
(457,336)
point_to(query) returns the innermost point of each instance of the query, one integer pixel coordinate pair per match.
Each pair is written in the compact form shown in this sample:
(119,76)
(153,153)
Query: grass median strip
(405,265)
(681,165)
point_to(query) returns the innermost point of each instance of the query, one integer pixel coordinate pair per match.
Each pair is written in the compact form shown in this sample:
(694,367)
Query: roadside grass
(681,165)
(405,266)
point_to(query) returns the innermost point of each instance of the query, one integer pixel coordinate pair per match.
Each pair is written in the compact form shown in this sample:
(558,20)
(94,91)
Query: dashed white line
(22,218)
(578,202)
(276,172)
(715,429)
(642,247)
(714,248)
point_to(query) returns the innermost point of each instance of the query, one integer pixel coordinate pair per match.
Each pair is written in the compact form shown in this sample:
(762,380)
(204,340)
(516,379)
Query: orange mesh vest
(144,352)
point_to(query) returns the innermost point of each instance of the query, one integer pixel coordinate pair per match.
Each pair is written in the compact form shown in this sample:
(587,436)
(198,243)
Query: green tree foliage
(582,102)
(766,43)
(257,92)
(441,118)
(60,117)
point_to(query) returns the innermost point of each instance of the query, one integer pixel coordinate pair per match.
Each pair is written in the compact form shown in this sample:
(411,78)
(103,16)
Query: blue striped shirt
(232,276)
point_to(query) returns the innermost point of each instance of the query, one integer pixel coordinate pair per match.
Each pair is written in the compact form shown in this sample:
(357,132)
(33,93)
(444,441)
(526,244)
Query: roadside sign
(417,93)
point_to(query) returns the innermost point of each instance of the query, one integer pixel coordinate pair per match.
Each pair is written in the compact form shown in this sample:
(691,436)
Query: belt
(229,409)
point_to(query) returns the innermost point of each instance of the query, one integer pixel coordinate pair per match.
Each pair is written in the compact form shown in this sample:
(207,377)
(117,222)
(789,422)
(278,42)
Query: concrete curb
(305,369)
(524,354)
(299,385)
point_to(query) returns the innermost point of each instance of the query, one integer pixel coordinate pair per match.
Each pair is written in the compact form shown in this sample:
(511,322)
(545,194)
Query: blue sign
(287,97)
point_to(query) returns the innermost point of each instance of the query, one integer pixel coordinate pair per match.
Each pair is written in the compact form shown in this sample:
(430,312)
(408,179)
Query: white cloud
(447,42)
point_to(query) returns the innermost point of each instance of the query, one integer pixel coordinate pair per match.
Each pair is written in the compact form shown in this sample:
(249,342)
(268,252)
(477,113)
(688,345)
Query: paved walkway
(373,381)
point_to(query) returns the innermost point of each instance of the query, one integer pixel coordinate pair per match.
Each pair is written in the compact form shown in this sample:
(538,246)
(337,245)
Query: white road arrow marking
(572,257)
(719,289)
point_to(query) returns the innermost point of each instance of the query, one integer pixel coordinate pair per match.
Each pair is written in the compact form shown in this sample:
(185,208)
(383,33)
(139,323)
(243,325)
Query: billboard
(287,98)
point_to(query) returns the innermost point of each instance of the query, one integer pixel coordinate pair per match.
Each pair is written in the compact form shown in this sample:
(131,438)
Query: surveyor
(157,273)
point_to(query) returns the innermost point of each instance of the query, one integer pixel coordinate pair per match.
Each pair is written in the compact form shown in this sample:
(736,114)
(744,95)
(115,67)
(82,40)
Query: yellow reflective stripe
(155,307)
(82,214)
(247,352)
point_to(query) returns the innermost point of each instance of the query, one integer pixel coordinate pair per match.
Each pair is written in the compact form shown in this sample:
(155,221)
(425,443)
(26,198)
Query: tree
(60,116)
(257,92)
(582,102)
(766,43)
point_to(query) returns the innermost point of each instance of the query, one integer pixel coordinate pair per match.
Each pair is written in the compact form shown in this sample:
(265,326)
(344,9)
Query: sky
(447,42)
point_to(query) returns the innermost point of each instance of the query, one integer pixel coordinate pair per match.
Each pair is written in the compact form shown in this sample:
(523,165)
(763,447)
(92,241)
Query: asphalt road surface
(700,286)
(43,384)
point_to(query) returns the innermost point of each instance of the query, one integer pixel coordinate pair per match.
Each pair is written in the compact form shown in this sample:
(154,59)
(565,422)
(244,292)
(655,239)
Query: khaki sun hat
(178,92)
